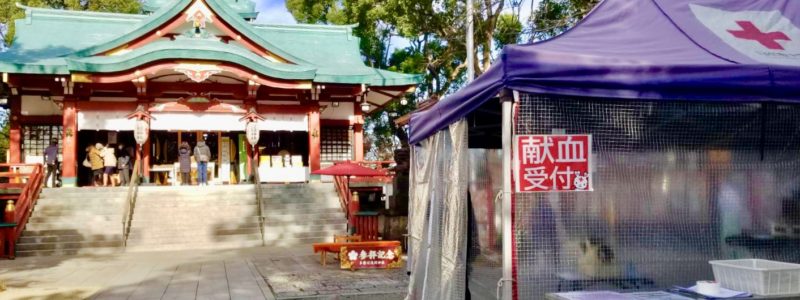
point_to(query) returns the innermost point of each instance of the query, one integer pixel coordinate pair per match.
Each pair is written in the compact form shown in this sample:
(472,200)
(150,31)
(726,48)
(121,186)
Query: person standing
(124,165)
(96,161)
(109,165)
(202,154)
(51,159)
(185,161)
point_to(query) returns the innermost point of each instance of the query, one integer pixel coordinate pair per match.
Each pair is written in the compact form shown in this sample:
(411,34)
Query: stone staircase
(89,220)
(194,217)
(297,214)
(69,221)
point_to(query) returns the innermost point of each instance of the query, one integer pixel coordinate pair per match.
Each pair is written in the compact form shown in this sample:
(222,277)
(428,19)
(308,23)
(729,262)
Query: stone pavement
(253,273)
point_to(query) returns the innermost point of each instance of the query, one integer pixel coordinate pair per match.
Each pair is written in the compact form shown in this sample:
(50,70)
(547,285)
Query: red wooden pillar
(15,130)
(313,138)
(358,134)
(69,166)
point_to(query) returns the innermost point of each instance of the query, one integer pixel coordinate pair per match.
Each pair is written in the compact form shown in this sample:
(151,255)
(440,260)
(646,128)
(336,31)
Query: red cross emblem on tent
(749,31)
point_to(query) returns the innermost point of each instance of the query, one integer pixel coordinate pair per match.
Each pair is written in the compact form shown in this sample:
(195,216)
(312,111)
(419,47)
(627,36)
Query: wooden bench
(324,248)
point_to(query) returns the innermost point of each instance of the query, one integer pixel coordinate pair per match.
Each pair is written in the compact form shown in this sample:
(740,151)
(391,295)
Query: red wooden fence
(28,178)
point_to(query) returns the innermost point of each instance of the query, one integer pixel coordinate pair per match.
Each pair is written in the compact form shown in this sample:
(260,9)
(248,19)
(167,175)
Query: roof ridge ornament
(198,14)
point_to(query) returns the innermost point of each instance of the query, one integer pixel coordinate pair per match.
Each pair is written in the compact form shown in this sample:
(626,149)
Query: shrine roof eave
(190,50)
(51,66)
(376,78)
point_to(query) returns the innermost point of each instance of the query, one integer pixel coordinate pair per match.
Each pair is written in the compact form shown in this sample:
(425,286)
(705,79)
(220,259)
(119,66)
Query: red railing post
(15,222)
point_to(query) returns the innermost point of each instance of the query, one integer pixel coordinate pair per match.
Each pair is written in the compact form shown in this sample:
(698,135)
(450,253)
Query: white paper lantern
(140,132)
(252,133)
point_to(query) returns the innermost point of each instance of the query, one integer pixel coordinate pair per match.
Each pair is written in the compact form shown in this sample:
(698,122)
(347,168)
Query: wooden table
(573,281)
(324,248)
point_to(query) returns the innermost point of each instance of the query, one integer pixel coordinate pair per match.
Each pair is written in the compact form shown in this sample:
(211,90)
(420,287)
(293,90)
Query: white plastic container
(758,276)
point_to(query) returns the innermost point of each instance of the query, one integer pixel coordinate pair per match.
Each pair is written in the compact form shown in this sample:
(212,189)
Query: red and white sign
(370,257)
(548,163)
(765,36)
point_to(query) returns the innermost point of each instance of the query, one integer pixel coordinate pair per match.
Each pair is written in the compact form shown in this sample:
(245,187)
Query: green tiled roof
(189,49)
(59,42)
(245,8)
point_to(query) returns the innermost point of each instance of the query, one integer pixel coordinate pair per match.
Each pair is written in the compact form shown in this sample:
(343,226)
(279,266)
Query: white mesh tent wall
(676,184)
(438,215)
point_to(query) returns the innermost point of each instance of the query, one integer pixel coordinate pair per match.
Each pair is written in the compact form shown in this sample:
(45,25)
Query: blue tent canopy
(687,50)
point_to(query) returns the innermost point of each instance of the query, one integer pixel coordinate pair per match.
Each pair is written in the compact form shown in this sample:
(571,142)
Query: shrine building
(196,67)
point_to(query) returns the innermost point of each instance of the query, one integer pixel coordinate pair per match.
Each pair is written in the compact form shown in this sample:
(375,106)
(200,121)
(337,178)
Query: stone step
(63,252)
(192,205)
(137,232)
(301,206)
(85,227)
(278,235)
(190,217)
(271,211)
(85,200)
(116,229)
(302,216)
(193,238)
(42,212)
(69,245)
(68,238)
(184,246)
(303,222)
(301,201)
(77,220)
(301,228)
(302,242)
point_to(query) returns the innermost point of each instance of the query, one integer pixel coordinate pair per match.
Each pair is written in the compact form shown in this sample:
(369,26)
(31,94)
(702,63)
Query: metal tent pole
(506,283)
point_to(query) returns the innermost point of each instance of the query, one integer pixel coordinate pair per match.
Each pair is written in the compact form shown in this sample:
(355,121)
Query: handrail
(130,203)
(24,204)
(343,192)
(29,193)
(257,185)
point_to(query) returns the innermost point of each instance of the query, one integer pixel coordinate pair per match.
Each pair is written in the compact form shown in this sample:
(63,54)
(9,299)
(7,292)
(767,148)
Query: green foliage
(435,30)
(556,16)
(509,30)
(10,12)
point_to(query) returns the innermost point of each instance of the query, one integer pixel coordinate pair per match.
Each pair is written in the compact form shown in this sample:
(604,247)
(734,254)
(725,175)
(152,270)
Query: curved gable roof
(57,42)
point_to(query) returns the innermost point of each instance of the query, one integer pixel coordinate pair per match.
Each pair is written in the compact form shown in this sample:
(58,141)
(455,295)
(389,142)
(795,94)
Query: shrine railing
(367,226)
(28,179)
(257,185)
(130,202)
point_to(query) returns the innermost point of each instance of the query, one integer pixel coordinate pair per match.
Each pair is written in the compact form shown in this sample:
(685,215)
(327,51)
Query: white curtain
(438,216)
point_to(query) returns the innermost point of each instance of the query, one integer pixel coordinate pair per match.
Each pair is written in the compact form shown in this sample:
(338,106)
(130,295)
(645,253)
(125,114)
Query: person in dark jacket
(185,161)
(202,154)
(124,165)
(51,159)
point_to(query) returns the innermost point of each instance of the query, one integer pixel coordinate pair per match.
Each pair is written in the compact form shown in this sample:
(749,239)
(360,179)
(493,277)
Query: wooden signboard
(370,257)
(225,159)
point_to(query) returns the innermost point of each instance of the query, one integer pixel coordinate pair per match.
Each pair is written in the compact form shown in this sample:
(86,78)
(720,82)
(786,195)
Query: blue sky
(273,12)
